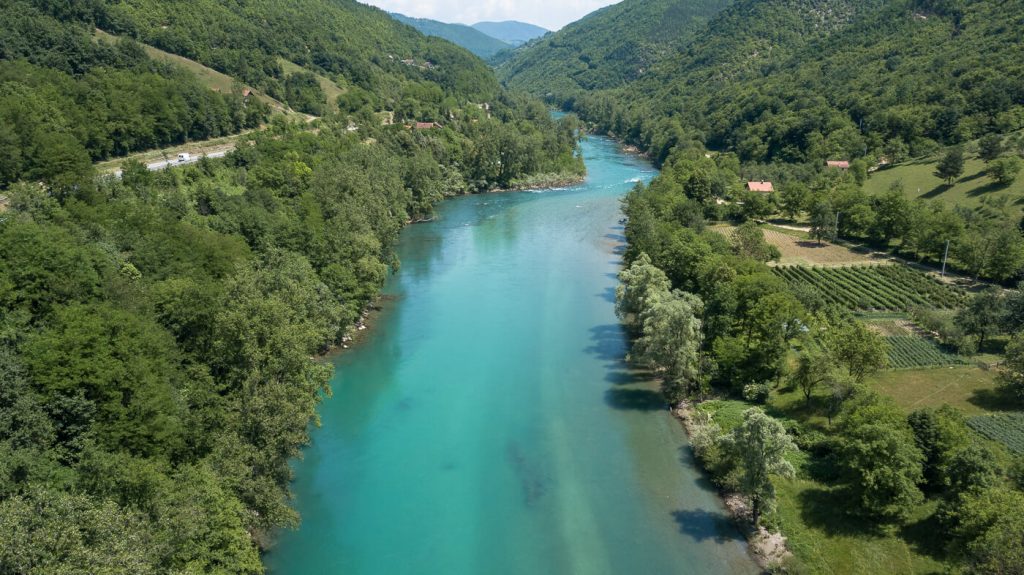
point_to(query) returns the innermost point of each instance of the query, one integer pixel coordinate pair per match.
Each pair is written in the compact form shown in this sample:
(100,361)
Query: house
(762,187)
(838,164)
(424,126)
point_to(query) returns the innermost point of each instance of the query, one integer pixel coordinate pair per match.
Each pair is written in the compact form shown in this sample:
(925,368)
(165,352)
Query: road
(163,165)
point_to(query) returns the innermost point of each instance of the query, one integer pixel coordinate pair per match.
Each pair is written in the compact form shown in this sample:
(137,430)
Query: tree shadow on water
(635,399)
(703,525)
(608,294)
(689,461)
(608,343)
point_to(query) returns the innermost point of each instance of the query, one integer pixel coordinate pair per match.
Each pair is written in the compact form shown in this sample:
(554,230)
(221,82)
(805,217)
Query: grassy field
(209,77)
(824,539)
(331,90)
(919,181)
(798,249)
(970,389)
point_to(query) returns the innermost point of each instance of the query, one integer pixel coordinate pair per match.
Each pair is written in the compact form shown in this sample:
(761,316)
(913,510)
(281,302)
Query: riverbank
(541,182)
(767,548)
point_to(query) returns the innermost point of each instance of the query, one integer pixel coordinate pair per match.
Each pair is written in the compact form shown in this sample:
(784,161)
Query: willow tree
(759,447)
(670,341)
(637,282)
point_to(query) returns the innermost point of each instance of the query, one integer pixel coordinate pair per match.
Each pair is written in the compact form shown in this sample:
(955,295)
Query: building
(424,126)
(838,164)
(761,187)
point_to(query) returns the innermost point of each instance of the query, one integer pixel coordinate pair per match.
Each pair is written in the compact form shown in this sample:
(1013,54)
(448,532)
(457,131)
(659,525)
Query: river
(487,423)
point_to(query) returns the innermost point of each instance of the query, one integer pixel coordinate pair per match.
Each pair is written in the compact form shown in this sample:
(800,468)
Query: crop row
(1006,428)
(908,351)
(873,288)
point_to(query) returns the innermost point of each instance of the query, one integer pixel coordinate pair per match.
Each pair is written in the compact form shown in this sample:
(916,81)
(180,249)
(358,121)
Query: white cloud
(547,13)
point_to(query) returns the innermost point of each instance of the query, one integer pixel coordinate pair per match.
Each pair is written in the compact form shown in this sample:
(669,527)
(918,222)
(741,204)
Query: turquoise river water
(487,424)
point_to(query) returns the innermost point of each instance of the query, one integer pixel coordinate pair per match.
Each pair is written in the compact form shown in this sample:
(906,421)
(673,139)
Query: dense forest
(800,82)
(608,48)
(159,330)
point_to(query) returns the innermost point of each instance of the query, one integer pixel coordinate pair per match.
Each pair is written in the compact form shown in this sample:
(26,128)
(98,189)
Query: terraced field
(874,288)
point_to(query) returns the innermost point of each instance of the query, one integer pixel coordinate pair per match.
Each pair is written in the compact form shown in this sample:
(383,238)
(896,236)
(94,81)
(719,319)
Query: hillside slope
(468,37)
(802,80)
(608,48)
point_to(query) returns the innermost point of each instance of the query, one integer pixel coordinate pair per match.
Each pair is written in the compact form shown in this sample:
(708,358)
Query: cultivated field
(970,389)
(874,288)
(1006,428)
(801,251)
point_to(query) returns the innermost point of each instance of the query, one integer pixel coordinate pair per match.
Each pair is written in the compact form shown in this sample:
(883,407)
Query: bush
(756,393)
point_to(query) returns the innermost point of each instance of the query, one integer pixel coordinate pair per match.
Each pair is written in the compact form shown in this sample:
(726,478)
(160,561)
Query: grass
(970,389)
(330,88)
(209,77)
(919,181)
(824,539)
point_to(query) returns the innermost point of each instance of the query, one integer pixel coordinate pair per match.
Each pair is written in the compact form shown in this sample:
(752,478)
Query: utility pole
(837,227)
(944,258)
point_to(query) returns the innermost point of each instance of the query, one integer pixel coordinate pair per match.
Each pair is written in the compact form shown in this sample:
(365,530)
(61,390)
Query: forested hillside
(802,81)
(608,48)
(468,37)
(158,331)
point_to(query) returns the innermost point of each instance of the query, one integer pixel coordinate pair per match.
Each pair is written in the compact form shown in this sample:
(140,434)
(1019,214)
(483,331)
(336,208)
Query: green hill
(798,80)
(608,48)
(511,31)
(469,38)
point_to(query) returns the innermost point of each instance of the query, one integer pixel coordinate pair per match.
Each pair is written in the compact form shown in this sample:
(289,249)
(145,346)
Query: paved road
(157,166)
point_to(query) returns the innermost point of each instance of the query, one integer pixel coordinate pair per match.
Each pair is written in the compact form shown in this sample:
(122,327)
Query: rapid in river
(487,423)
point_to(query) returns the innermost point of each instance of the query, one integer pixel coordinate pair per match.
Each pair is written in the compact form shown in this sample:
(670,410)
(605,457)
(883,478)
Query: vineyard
(1006,428)
(874,288)
(910,351)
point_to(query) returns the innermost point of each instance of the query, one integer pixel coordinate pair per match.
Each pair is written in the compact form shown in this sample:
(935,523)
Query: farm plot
(874,288)
(1006,428)
(911,351)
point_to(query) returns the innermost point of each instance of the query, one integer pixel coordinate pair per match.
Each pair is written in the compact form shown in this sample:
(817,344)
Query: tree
(748,240)
(951,166)
(857,348)
(941,434)
(793,199)
(1004,171)
(813,367)
(759,447)
(878,459)
(984,315)
(1011,372)
(990,147)
(636,284)
(671,339)
(990,530)
(823,222)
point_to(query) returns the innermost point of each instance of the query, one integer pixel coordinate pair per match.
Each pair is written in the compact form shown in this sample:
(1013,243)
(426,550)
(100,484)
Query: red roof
(246,93)
(761,186)
(842,164)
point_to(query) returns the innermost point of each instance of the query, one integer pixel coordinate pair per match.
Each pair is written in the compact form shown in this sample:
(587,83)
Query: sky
(550,14)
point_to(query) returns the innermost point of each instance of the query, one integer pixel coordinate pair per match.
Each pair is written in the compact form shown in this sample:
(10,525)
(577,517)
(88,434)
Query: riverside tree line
(710,318)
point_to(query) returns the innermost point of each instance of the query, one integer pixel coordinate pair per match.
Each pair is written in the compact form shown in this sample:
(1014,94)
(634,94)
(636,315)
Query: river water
(487,424)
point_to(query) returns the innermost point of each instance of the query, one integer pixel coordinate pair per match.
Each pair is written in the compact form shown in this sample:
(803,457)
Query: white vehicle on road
(184,157)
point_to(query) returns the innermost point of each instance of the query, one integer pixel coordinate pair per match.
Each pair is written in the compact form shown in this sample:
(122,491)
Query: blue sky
(551,14)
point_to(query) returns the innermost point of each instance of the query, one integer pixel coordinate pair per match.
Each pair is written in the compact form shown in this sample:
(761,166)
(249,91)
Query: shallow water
(487,425)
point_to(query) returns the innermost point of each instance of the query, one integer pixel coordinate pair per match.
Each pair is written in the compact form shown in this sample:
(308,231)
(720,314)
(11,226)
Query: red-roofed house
(838,164)
(762,187)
